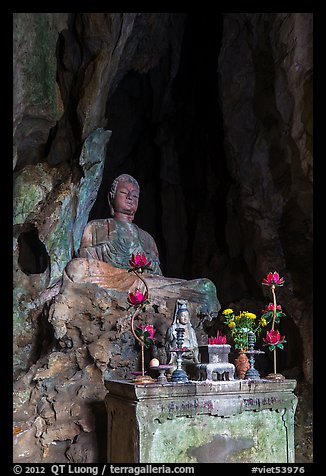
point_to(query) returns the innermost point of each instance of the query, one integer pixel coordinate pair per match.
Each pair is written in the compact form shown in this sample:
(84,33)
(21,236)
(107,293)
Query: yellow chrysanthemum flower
(263,321)
(227,311)
(231,324)
(251,315)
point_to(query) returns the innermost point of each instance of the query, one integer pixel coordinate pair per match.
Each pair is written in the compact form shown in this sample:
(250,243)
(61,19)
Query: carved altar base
(239,421)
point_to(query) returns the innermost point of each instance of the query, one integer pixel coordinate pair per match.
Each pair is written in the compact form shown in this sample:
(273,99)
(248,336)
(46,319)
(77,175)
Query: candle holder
(179,375)
(162,368)
(252,373)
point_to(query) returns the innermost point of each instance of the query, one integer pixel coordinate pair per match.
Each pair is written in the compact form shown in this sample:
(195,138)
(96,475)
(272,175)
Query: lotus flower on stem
(273,279)
(273,313)
(137,299)
(274,339)
(269,315)
(139,263)
(146,334)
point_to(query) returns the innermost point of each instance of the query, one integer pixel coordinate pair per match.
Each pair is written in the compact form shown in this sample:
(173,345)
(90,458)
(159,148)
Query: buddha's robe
(106,263)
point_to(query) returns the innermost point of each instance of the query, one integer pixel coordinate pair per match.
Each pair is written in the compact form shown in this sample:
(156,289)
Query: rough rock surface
(59,403)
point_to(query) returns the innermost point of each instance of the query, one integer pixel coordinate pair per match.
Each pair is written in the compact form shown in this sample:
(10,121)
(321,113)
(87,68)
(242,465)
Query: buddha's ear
(111,207)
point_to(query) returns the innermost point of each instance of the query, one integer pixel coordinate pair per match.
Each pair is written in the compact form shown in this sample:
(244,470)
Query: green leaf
(148,342)
(271,347)
(280,346)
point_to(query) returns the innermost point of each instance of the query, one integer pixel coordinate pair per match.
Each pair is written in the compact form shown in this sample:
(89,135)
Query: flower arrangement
(240,324)
(272,315)
(144,334)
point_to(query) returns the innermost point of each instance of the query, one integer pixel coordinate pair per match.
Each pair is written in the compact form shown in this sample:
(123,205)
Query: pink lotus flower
(148,328)
(270,307)
(273,339)
(273,279)
(139,262)
(137,297)
(268,313)
(146,334)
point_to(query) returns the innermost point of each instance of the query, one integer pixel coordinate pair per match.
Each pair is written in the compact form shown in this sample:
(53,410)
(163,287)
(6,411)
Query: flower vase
(242,364)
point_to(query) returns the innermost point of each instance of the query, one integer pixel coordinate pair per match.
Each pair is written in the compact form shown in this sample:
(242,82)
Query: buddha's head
(123,197)
(183,316)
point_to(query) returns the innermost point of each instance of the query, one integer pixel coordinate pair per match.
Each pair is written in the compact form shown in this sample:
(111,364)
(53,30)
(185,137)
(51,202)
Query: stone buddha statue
(114,240)
(107,246)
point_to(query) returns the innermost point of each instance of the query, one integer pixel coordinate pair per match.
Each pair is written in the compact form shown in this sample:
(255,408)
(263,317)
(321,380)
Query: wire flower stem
(273,322)
(135,313)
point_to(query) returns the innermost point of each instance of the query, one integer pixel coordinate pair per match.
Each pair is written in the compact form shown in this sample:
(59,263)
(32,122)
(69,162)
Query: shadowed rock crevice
(33,258)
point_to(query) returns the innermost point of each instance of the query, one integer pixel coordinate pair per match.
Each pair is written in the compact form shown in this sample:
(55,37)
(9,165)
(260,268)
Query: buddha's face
(184,317)
(126,199)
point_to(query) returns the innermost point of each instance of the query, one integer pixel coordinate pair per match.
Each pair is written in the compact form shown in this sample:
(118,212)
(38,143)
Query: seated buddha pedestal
(103,262)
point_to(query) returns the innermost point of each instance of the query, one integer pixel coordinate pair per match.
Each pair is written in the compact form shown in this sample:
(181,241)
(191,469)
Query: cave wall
(265,80)
(82,57)
(212,114)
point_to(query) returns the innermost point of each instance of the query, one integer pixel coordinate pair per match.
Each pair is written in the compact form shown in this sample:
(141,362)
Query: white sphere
(154,363)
